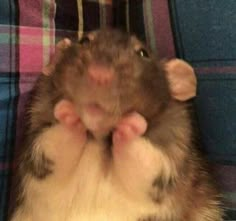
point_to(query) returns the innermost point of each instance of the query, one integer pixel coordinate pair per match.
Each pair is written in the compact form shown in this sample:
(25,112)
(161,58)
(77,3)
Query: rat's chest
(90,193)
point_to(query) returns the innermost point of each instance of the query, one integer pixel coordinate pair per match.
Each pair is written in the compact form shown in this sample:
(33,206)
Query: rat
(109,137)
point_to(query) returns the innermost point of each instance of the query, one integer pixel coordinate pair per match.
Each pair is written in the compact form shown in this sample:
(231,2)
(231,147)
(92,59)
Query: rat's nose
(100,75)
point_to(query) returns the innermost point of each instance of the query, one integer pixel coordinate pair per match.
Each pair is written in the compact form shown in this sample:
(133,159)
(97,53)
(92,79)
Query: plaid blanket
(201,32)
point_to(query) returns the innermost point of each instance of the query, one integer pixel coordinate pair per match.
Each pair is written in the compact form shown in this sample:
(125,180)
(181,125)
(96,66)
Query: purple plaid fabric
(201,33)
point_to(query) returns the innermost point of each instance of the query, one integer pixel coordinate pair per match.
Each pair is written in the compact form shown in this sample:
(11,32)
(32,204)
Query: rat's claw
(65,113)
(130,127)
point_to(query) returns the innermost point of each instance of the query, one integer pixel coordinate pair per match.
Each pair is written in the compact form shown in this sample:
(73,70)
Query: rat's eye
(84,40)
(142,53)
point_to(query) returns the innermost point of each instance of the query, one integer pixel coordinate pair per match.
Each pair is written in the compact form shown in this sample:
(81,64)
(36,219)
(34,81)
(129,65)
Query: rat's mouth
(96,118)
(95,109)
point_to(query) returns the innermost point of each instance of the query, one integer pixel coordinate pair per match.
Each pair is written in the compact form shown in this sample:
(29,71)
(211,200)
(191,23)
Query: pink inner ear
(47,70)
(182,79)
(61,45)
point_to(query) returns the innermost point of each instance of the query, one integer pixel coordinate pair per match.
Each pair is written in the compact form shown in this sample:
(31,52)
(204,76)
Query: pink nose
(100,75)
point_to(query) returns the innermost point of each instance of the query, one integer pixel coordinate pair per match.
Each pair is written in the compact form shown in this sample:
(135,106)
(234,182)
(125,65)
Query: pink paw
(65,113)
(130,127)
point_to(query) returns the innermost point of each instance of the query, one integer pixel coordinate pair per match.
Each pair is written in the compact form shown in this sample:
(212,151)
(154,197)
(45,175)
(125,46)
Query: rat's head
(109,73)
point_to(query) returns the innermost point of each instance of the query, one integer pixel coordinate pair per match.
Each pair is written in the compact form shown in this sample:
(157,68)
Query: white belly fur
(91,192)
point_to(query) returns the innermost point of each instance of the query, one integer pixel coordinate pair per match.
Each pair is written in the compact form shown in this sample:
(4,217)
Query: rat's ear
(60,47)
(182,79)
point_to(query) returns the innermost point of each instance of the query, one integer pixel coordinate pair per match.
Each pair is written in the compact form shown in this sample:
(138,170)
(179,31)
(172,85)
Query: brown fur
(140,85)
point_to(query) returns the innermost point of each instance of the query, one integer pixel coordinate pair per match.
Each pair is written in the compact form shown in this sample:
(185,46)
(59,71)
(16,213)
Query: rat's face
(109,73)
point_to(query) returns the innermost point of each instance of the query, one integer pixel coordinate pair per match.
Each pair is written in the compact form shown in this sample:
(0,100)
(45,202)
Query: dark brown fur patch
(40,169)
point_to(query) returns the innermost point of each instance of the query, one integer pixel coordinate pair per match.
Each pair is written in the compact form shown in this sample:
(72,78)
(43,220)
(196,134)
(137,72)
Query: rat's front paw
(65,113)
(130,127)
